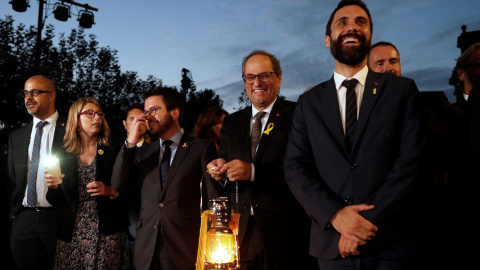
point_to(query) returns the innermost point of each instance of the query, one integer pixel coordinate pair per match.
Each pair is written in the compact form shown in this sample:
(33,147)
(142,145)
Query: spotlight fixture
(62,12)
(19,5)
(86,19)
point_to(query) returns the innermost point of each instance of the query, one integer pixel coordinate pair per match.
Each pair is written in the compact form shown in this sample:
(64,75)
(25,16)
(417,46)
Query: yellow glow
(221,248)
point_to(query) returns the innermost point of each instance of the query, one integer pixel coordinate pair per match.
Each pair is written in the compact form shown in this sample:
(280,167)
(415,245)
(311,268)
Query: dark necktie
(165,164)
(32,176)
(350,110)
(256,132)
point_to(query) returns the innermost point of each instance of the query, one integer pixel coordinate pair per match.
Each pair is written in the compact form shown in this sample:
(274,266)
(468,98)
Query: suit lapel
(373,87)
(22,152)
(244,132)
(58,136)
(276,116)
(330,107)
(182,151)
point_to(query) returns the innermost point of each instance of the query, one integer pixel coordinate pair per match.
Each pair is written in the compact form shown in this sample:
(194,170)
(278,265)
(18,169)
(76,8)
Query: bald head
(42,105)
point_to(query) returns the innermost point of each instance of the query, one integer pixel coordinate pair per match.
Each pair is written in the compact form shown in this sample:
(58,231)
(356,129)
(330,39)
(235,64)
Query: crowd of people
(364,171)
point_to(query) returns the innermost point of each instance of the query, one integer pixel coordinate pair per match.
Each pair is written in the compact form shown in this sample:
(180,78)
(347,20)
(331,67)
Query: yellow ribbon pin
(100,151)
(269,128)
(374,91)
(184,144)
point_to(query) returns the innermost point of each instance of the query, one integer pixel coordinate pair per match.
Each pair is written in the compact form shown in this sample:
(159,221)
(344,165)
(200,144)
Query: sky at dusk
(211,37)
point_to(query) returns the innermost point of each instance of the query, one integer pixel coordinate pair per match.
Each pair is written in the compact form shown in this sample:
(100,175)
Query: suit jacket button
(353,166)
(155,226)
(161,205)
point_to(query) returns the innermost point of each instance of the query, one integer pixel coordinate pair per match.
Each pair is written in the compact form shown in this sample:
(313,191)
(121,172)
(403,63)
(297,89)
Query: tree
(79,67)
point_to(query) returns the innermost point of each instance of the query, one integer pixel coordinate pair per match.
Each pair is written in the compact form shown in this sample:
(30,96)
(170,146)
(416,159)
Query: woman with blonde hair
(92,232)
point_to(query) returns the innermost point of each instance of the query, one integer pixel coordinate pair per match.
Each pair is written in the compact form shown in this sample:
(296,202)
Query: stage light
(19,5)
(86,19)
(62,12)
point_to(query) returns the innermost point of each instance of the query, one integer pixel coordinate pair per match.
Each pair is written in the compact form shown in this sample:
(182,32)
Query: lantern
(218,249)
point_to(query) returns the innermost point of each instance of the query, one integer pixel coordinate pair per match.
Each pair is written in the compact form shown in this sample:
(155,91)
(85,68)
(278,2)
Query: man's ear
(175,113)
(125,125)
(327,41)
(461,74)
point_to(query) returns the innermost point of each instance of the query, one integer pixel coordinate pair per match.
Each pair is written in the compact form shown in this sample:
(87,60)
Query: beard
(162,126)
(351,56)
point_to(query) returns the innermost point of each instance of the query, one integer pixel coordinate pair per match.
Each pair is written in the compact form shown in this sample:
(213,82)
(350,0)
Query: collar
(267,110)
(140,143)
(175,138)
(52,119)
(361,77)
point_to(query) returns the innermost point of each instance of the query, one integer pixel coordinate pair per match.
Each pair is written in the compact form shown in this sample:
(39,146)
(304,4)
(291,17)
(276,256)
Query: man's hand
(217,169)
(347,247)
(239,170)
(355,230)
(134,133)
(51,181)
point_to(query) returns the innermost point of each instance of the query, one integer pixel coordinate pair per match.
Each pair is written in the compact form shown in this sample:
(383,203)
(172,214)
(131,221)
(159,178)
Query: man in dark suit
(474,127)
(357,176)
(445,166)
(133,194)
(34,220)
(273,229)
(169,222)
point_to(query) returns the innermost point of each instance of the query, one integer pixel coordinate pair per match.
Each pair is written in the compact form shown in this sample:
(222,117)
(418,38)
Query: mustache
(361,38)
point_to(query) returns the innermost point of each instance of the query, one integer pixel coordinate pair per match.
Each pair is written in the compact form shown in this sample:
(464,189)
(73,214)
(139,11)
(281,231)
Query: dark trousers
(34,238)
(252,250)
(160,260)
(367,263)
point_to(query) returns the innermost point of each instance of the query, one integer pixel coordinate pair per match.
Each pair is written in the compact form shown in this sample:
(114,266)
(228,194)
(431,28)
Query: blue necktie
(32,177)
(165,164)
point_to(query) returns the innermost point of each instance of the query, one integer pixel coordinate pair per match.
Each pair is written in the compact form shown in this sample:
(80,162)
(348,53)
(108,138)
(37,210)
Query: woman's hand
(98,188)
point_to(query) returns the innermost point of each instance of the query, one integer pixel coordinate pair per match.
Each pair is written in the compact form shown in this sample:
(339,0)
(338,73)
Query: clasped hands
(95,188)
(235,170)
(354,229)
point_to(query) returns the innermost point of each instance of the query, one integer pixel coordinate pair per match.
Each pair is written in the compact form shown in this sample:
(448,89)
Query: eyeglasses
(91,113)
(152,111)
(263,77)
(34,92)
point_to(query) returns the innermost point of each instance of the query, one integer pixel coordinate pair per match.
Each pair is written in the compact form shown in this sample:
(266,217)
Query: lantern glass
(221,246)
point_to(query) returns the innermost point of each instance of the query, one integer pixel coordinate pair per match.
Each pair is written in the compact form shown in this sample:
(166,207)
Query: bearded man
(170,172)
(353,158)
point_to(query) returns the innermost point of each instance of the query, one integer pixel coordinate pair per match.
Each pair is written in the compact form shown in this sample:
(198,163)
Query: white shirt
(176,141)
(361,76)
(45,150)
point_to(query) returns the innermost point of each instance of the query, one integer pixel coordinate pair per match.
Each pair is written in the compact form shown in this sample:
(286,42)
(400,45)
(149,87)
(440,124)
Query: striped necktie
(350,110)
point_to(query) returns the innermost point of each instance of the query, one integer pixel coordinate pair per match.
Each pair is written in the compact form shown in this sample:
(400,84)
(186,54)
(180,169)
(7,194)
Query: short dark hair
(344,3)
(275,62)
(384,43)
(171,97)
(133,107)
